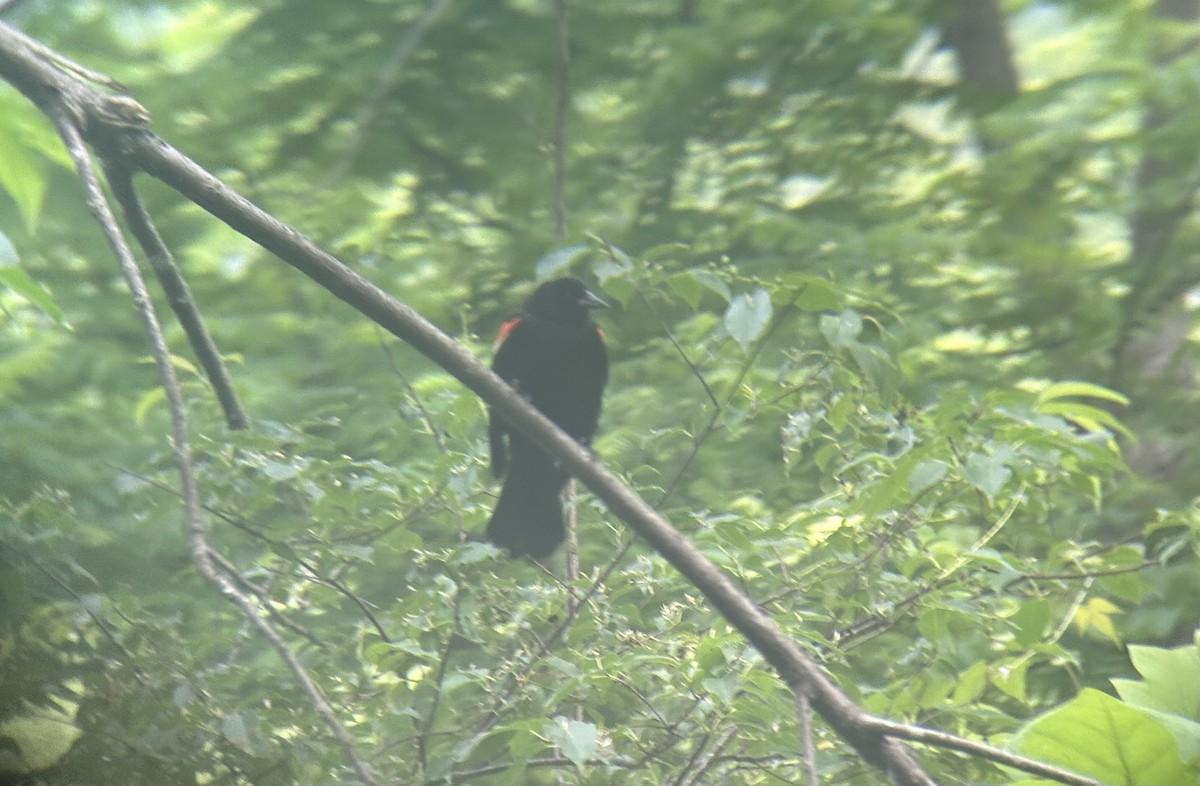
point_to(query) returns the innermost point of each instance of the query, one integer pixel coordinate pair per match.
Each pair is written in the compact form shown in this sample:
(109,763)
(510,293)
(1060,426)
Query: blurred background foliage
(904,338)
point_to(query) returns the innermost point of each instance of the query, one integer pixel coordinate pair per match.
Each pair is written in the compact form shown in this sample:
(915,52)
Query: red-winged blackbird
(553,355)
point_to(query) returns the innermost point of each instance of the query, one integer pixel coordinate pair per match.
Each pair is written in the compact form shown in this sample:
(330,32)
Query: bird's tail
(528,518)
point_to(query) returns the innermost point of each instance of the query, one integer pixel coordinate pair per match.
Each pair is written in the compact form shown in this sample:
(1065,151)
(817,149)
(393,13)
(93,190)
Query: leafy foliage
(925,398)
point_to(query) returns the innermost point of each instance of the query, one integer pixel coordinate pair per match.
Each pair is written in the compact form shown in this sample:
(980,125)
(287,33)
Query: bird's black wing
(505,362)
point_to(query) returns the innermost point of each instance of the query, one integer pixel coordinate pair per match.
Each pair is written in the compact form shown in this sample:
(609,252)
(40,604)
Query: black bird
(553,355)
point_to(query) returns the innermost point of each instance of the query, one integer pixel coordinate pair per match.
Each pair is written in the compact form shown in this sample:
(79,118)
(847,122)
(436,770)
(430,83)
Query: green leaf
(525,742)
(576,739)
(1010,677)
(987,473)
(818,295)
(970,684)
(147,403)
(710,280)
(925,474)
(614,262)
(1080,389)
(839,412)
(21,172)
(1172,679)
(747,316)
(19,281)
(1169,691)
(1085,416)
(233,726)
(841,330)
(8,252)
(724,688)
(42,738)
(558,260)
(1031,620)
(1097,736)
(1097,614)
(800,190)
(888,492)
(663,250)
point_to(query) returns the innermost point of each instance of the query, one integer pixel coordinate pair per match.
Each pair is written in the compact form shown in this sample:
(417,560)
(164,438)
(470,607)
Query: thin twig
(198,544)
(734,387)
(264,599)
(69,66)
(706,760)
(439,679)
(100,623)
(179,295)
(544,645)
(562,102)
(693,757)
(439,438)
(666,329)
(940,739)
(807,752)
(309,568)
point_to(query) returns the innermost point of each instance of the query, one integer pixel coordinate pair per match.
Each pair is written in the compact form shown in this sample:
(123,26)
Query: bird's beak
(589,300)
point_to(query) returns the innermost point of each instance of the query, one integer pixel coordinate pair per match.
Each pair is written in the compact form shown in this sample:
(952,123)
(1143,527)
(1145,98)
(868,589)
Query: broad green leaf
(576,739)
(1096,614)
(557,261)
(889,492)
(41,737)
(147,403)
(613,262)
(747,316)
(1080,390)
(1100,737)
(841,330)
(925,474)
(987,473)
(1169,691)
(21,172)
(839,412)
(663,250)
(8,252)
(712,281)
(199,33)
(16,279)
(1009,676)
(818,295)
(233,726)
(970,684)
(19,282)
(799,190)
(1171,679)
(1031,620)
(1086,416)
(724,687)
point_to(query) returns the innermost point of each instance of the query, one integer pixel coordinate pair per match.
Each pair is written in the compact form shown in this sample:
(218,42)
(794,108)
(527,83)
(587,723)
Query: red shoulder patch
(505,329)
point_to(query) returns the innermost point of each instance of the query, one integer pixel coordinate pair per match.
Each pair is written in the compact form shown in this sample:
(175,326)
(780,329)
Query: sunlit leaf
(1097,614)
(987,472)
(557,261)
(747,316)
(841,330)
(576,739)
(1097,736)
